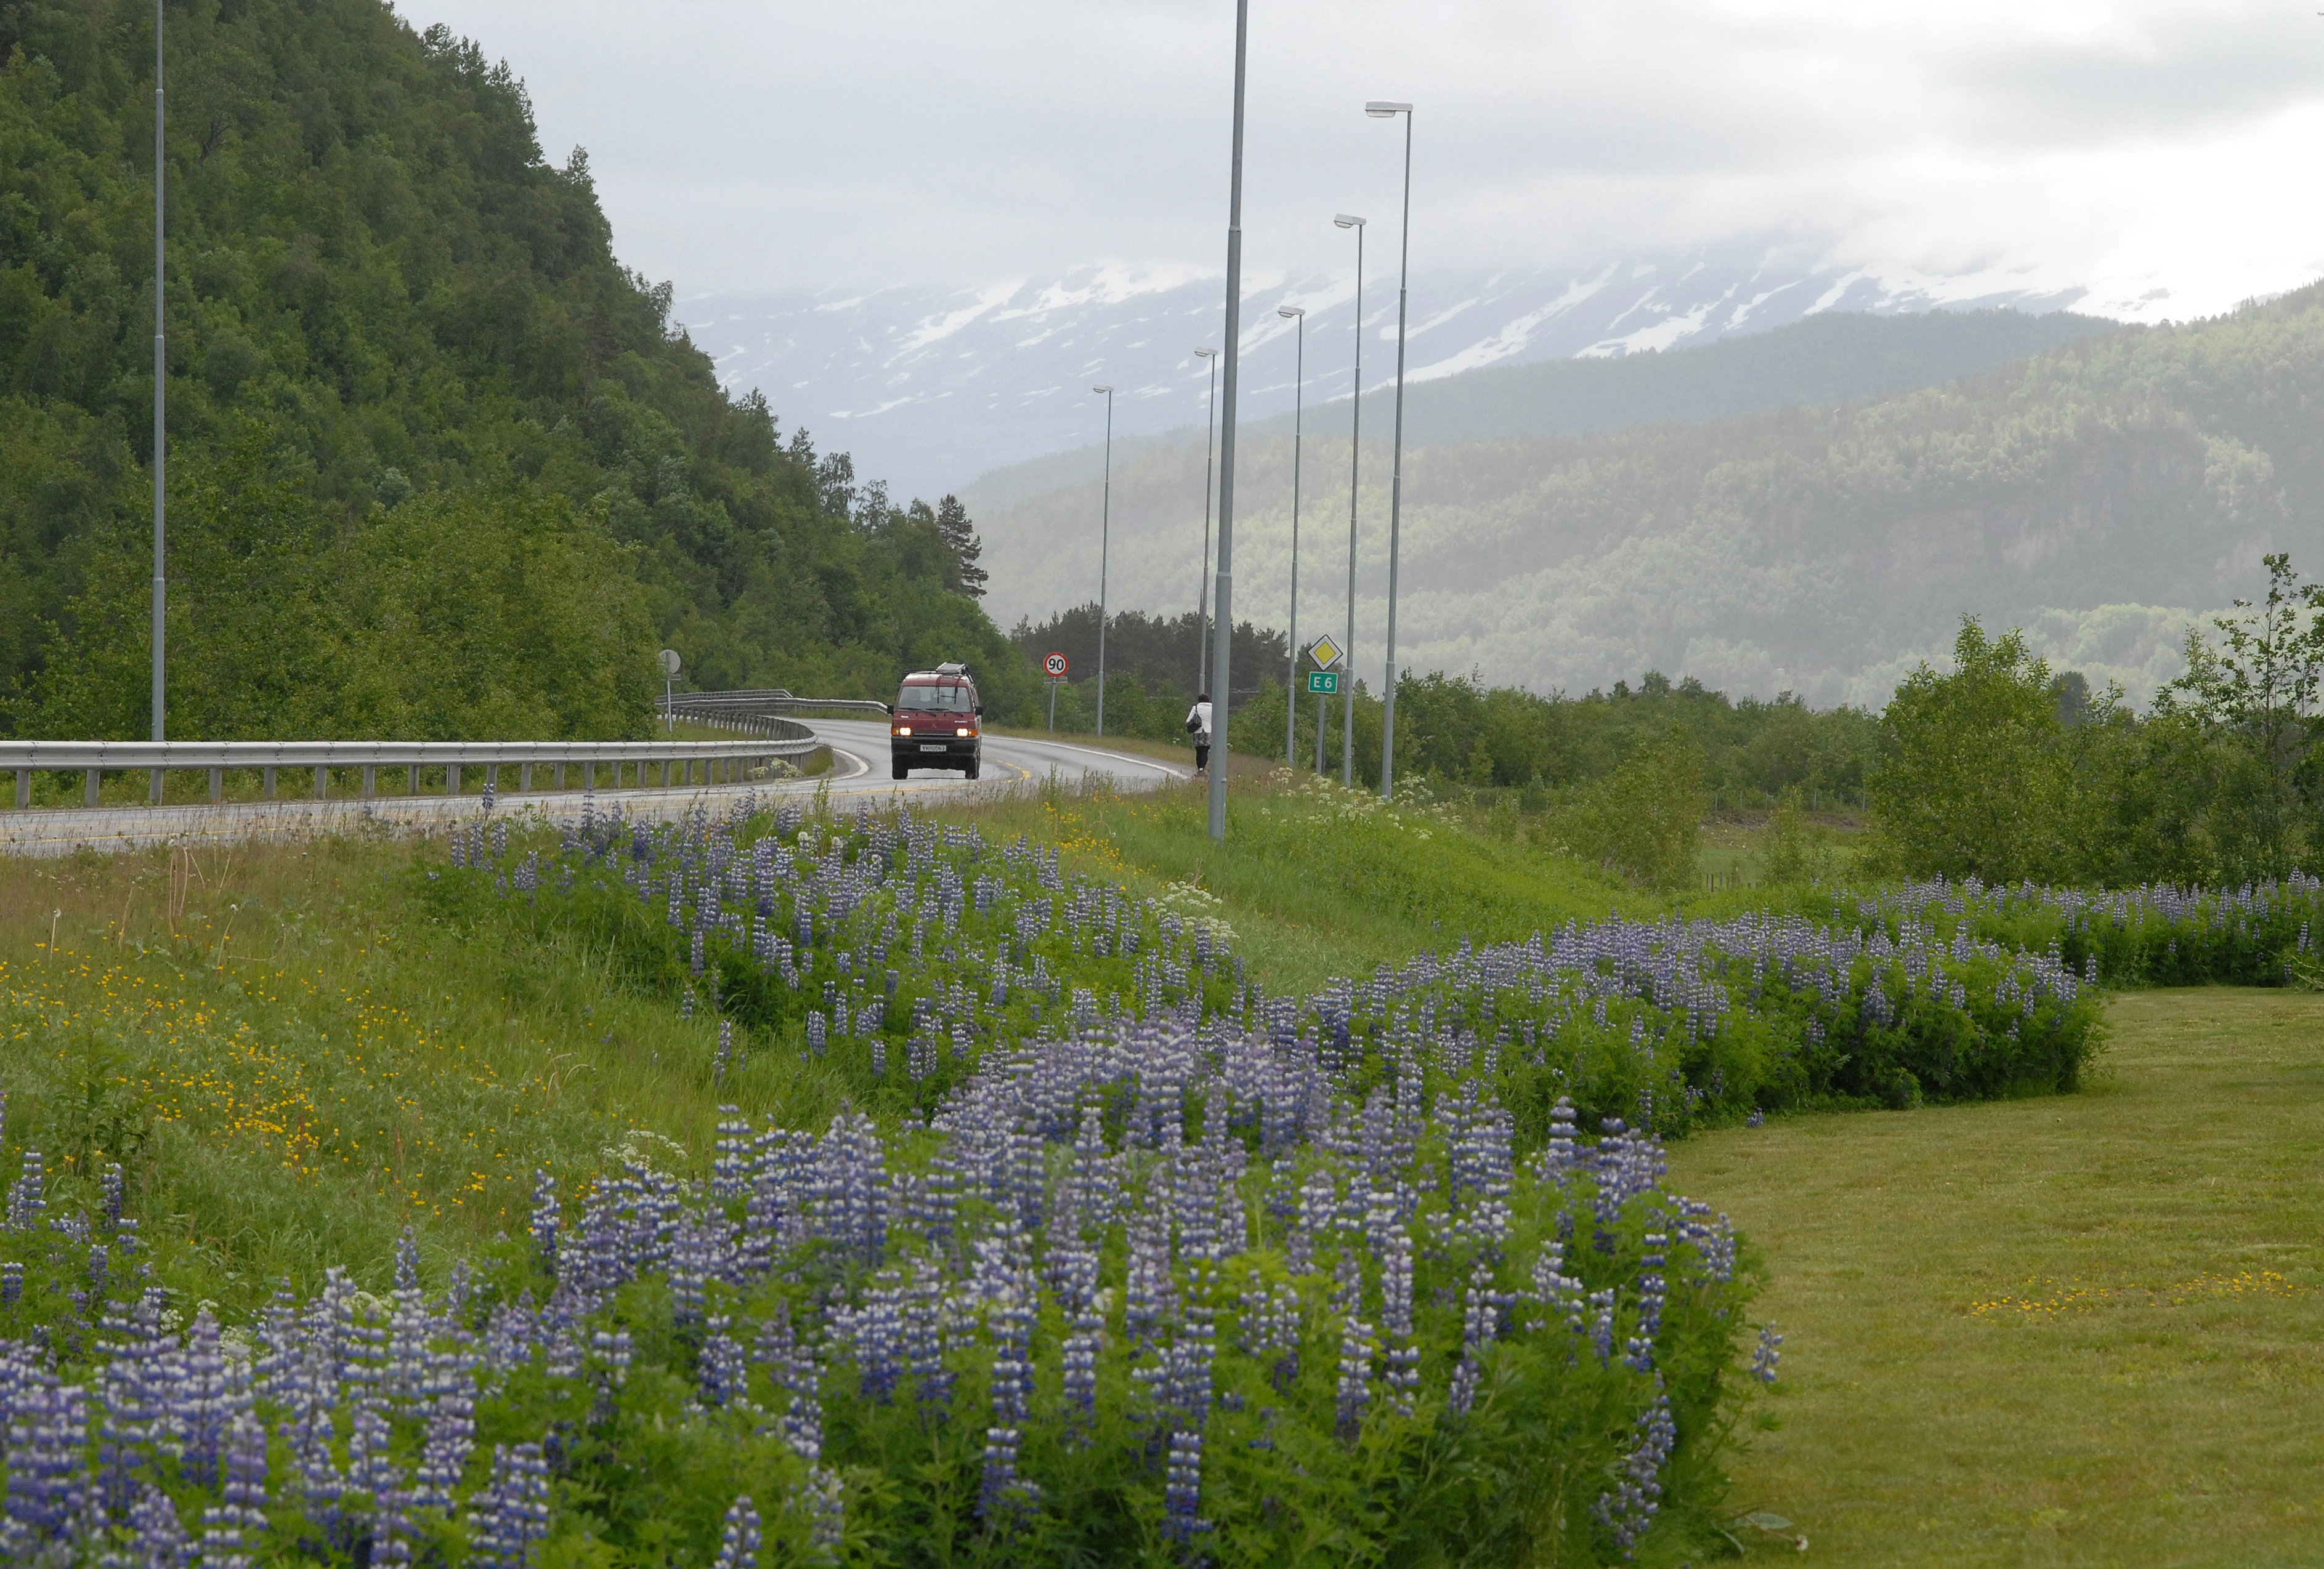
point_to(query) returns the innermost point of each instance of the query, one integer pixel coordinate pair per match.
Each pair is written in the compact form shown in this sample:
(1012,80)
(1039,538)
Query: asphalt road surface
(859,751)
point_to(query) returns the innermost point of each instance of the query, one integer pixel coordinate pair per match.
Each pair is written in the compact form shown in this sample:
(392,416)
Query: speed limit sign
(1056,666)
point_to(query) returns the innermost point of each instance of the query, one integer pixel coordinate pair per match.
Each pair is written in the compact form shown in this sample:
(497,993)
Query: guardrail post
(92,787)
(664,772)
(617,773)
(451,778)
(589,775)
(157,786)
(560,776)
(23,788)
(322,784)
(525,778)
(371,780)
(217,785)
(412,779)
(266,783)
(493,777)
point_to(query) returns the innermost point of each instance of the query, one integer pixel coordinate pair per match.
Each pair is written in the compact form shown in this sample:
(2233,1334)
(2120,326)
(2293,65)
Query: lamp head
(1205,354)
(1107,390)
(1288,312)
(1349,221)
(1382,109)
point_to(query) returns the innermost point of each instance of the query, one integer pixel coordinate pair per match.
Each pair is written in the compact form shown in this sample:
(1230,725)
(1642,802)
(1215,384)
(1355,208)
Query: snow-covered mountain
(930,389)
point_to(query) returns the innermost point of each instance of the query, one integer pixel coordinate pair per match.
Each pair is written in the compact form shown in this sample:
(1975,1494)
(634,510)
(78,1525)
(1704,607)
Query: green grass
(2083,1330)
(298,1049)
(1314,880)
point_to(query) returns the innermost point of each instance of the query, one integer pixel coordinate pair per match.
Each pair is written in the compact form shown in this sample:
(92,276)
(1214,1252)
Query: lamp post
(160,392)
(1104,539)
(1292,313)
(1223,661)
(1203,583)
(1381,109)
(1355,462)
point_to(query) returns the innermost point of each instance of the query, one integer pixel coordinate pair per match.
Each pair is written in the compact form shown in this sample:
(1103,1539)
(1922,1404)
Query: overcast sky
(747,147)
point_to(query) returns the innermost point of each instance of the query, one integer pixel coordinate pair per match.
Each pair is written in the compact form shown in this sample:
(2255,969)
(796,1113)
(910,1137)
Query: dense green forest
(2100,495)
(438,465)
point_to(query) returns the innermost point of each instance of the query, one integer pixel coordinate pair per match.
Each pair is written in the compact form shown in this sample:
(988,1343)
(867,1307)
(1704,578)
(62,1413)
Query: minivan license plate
(932,746)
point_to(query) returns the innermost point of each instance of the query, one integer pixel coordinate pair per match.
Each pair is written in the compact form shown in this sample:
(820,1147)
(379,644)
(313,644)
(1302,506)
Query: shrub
(1644,821)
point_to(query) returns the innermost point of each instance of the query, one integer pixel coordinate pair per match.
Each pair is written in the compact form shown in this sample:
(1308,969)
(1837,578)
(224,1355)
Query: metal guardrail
(715,707)
(776,739)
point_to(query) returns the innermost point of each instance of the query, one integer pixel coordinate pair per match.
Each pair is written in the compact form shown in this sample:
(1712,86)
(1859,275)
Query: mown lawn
(2083,1330)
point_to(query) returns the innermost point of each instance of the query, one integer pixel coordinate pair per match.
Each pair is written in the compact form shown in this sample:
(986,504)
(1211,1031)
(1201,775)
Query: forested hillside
(2101,495)
(438,465)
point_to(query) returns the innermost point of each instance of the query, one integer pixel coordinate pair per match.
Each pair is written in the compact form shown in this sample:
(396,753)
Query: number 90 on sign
(1322,681)
(1055,665)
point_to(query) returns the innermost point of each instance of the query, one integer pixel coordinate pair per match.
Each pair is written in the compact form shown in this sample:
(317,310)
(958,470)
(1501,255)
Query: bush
(1644,821)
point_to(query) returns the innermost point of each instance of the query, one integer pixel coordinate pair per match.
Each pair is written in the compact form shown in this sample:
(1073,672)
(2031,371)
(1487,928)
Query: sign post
(669,668)
(1054,666)
(1322,681)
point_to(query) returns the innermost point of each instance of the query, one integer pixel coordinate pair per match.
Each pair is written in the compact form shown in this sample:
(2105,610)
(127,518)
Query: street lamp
(1222,668)
(1355,462)
(161,429)
(1104,535)
(1292,313)
(1203,583)
(1381,109)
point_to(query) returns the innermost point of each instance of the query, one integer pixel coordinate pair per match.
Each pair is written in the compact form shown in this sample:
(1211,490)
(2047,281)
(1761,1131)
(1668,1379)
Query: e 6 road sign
(1056,666)
(1322,681)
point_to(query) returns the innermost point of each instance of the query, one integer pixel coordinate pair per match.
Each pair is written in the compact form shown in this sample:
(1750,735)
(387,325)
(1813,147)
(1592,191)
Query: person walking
(1198,725)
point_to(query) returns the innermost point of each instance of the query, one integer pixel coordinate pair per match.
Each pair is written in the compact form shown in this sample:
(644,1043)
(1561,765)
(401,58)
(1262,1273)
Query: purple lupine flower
(235,1523)
(444,1455)
(1601,1325)
(1403,1377)
(47,1482)
(545,1221)
(1355,1392)
(721,1372)
(129,1393)
(12,1285)
(1181,1491)
(162,1540)
(1768,1353)
(823,1498)
(725,1058)
(211,1393)
(730,1166)
(509,1513)
(28,1195)
(114,1194)
(738,1548)
(1629,1509)
(407,1262)
(1005,1495)
(374,1477)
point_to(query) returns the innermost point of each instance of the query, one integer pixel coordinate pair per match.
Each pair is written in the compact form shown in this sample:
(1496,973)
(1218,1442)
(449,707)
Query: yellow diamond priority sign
(1325,652)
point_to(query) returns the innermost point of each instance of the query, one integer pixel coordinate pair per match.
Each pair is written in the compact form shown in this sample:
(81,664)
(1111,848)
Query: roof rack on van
(952,669)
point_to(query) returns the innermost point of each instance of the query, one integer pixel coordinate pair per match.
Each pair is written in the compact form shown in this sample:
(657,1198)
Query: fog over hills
(2102,493)
(929,390)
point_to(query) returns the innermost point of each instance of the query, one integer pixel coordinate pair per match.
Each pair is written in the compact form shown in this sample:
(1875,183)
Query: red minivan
(937,722)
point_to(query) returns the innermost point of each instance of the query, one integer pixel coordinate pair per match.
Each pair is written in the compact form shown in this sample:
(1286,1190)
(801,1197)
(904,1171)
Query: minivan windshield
(949,697)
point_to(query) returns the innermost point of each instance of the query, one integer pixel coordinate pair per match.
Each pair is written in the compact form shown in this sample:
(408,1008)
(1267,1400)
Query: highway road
(859,751)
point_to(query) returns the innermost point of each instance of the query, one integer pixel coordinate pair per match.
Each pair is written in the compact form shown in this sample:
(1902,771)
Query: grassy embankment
(2081,1330)
(295,1050)
(2100,1347)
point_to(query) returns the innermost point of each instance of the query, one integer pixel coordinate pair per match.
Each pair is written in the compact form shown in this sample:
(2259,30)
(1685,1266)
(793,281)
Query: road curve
(858,750)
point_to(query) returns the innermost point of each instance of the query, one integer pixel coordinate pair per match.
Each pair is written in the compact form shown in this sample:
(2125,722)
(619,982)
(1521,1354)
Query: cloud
(2129,144)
